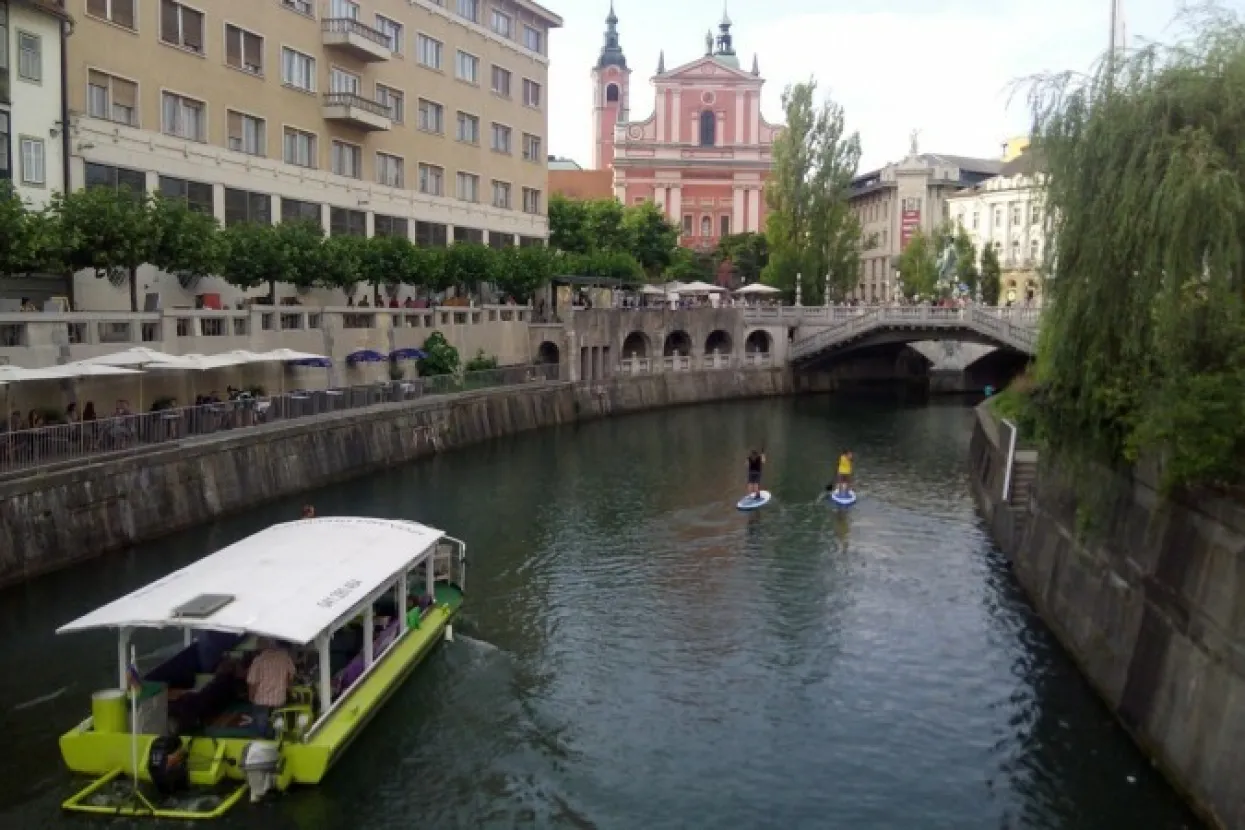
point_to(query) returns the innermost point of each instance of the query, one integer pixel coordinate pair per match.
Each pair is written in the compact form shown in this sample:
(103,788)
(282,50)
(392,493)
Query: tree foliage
(105,231)
(747,253)
(990,273)
(1143,341)
(918,267)
(604,238)
(810,229)
(440,358)
(184,242)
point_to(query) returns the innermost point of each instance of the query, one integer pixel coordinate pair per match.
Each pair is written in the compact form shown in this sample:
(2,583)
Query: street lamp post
(826,292)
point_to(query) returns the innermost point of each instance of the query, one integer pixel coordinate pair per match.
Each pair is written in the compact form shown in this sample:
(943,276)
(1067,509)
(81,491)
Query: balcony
(355,39)
(356,111)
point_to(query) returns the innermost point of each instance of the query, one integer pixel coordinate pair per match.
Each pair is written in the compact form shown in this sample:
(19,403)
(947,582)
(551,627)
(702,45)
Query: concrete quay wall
(52,519)
(1151,606)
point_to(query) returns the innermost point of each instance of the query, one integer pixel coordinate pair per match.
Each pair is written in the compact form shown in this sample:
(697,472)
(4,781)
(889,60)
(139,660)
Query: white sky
(944,67)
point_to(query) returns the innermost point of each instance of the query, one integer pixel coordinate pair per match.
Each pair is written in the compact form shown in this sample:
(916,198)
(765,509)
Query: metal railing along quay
(22,449)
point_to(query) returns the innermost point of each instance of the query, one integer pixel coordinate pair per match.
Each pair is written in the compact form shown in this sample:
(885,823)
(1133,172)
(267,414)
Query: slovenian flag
(133,680)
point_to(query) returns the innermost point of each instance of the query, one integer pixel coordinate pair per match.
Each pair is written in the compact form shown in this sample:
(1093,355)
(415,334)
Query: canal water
(635,653)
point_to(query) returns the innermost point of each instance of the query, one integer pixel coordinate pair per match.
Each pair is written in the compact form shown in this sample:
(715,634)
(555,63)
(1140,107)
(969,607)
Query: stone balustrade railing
(827,315)
(1002,325)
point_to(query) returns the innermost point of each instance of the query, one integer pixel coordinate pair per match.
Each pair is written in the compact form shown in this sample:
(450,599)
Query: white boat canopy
(290,582)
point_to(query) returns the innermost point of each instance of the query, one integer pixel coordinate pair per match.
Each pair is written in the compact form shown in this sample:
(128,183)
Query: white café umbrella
(699,287)
(653,290)
(758,288)
(67,371)
(137,357)
(292,356)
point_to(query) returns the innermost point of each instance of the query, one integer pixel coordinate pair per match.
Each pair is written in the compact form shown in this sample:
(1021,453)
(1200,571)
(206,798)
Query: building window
(34,162)
(531,93)
(500,239)
(346,222)
(298,70)
(343,10)
(500,23)
(431,180)
(120,12)
(1017,214)
(196,195)
(246,206)
(501,195)
(501,81)
(1033,250)
(390,170)
(531,200)
(29,57)
(687,224)
(531,148)
(706,226)
(112,98)
(181,26)
(390,226)
(5,169)
(183,117)
(467,67)
(611,93)
(343,82)
(300,6)
(998,217)
(300,148)
(431,117)
(469,9)
(468,187)
(708,128)
(501,138)
(1014,259)
(394,99)
(532,39)
(247,134)
(244,50)
(293,210)
(119,179)
(428,51)
(475,236)
(725,226)
(468,128)
(1035,215)
(392,30)
(976,219)
(430,234)
(347,159)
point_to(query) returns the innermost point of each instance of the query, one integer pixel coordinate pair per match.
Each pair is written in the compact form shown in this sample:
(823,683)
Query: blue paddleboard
(754,502)
(843,499)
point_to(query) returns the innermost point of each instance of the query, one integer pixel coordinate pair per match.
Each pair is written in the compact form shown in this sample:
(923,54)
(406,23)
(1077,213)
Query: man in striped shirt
(269,678)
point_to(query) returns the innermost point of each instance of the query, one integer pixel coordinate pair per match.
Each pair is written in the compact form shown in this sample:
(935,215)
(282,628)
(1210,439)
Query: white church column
(755,119)
(739,118)
(739,221)
(754,208)
(674,116)
(676,205)
(661,116)
(719,134)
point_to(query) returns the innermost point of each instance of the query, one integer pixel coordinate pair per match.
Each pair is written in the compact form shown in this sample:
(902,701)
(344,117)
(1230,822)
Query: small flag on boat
(132,678)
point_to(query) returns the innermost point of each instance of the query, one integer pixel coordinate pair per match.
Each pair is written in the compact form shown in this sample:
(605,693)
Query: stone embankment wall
(52,518)
(1151,605)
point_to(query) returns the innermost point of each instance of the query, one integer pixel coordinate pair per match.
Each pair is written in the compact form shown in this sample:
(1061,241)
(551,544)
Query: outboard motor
(168,765)
(261,761)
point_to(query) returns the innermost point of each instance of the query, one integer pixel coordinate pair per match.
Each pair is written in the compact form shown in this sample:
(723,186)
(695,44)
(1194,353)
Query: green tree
(990,272)
(184,242)
(29,240)
(619,265)
(468,265)
(748,254)
(605,226)
(251,255)
(301,245)
(650,236)
(522,271)
(434,271)
(810,229)
(440,358)
(1142,347)
(568,225)
(687,265)
(965,260)
(107,231)
(390,260)
(918,267)
(339,264)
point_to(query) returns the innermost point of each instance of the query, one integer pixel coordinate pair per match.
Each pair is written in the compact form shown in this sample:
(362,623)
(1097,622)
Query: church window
(726,225)
(706,226)
(611,93)
(687,224)
(708,128)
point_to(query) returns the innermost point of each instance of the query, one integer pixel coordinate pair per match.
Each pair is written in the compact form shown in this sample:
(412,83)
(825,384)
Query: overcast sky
(944,67)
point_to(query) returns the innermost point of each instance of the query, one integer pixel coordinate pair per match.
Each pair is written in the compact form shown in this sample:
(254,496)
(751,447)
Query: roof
(290,582)
(52,7)
(582,184)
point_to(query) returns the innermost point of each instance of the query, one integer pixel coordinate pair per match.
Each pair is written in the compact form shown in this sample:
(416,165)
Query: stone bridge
(826,331)
(593,344)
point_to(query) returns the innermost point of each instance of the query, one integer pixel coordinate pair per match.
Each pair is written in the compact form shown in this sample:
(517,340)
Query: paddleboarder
(845,472)
(756,461)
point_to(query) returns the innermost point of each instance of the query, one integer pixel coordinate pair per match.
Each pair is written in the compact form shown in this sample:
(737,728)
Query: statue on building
(912,147)
(947,263)
(708,42)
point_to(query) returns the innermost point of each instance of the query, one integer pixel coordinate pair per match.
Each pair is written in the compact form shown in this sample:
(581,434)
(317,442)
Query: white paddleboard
(754,502)
(843,499)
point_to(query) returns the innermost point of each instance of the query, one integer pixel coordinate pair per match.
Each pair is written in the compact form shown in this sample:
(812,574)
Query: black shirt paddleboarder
(756,461)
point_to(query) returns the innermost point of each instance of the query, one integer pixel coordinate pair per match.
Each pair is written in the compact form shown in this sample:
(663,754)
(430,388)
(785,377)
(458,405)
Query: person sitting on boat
(845,472)
(268,680)
(756,461)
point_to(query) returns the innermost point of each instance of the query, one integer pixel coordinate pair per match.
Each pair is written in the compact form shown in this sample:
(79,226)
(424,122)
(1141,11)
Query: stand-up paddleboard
(754,502)
(843,499)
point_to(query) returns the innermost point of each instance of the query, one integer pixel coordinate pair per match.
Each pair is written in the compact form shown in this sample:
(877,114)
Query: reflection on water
(637,653)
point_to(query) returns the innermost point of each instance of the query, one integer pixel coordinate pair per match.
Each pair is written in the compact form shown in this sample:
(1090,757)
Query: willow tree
(810,229)
(1143,344)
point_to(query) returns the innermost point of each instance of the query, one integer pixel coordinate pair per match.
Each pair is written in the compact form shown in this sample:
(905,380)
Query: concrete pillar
(738,137)
(755,195)
(661,115)
(676,205)
(675,121)
(739,220)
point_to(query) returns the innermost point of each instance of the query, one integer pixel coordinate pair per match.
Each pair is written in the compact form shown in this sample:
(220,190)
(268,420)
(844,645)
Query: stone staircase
(1023,484)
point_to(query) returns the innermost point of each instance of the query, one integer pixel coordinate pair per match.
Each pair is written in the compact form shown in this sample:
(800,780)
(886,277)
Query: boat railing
(449,562)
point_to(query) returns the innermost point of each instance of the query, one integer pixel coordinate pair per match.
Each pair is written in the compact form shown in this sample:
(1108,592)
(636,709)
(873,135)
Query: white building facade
(31,102)
(1006,212)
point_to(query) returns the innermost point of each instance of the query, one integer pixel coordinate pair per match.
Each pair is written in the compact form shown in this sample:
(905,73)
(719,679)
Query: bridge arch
(678,344)
(548,352)
(718,342)
(758,341)
(636,344)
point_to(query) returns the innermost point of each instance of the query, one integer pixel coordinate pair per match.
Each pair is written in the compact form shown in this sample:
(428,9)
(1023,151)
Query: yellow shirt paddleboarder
(845,471)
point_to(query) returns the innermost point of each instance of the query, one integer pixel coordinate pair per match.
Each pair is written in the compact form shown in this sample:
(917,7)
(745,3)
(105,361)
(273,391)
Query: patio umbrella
(407,354)
(296,358)
(699,287)
(138,357)
(758,288)
(365,356)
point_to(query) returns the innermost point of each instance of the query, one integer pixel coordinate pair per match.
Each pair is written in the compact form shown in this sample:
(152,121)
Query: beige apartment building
(427,118)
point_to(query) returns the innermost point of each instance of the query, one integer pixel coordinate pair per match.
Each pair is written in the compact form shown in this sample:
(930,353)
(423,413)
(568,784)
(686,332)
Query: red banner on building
(909,221)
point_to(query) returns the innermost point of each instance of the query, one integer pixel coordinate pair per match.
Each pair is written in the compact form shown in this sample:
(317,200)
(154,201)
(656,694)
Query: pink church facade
(704,153)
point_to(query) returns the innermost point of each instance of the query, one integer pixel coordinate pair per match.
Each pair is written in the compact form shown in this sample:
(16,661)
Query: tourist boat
(179,741)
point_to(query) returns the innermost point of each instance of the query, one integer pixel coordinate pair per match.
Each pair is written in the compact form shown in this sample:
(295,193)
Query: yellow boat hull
(213,760)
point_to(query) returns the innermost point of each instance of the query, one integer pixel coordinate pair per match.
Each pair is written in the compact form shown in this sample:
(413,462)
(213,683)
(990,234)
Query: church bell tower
(611,93)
